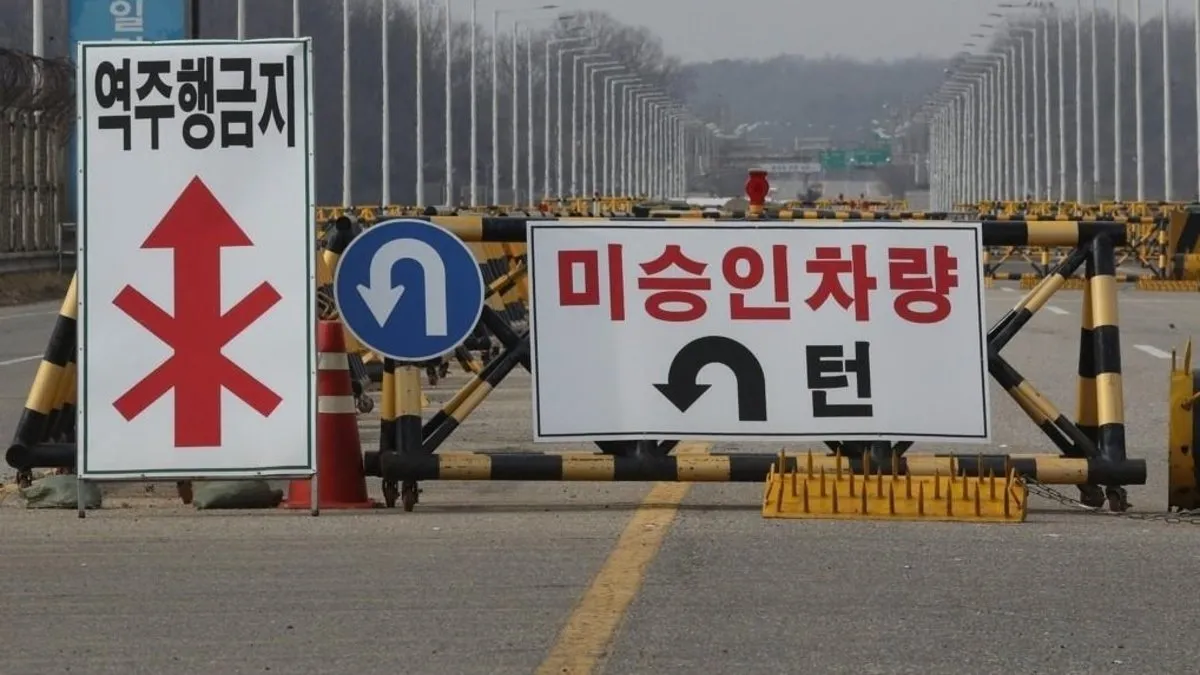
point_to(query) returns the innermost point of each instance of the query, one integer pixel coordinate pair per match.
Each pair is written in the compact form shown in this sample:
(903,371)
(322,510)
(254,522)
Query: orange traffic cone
(341,482)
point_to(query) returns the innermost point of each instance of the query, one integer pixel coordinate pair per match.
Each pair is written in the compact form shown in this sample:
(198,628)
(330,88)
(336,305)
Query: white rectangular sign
(791,167)
(819,330)
(196,251)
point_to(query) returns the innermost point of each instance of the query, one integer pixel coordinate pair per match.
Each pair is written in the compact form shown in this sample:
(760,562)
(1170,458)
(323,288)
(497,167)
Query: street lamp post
(645,148)
(1140,166)
(1046,108)
(449,162)
(516,117)
(581,65)
(1116,97)
(1078,103)
(1168,174)
(347,148)
(559,190)
(1096,105)
(529,119)
(591,182)
(608,185)
(496,92)
(385,131)
(420,97)
(1062,113)
(546,116)
(474,190)
(627,99)
(1036,135)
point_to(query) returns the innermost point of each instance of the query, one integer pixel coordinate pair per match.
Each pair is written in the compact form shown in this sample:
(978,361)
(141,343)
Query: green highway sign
(844,159)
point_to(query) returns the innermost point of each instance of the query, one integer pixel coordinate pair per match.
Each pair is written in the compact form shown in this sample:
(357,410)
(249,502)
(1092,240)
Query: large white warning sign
(196,251)
(789,331)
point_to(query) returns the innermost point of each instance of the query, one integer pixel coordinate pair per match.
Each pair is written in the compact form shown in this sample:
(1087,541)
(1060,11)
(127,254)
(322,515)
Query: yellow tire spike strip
(798,489)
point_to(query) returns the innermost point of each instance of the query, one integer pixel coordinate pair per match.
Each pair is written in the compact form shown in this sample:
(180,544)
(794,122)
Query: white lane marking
(1056,310)
(1153,351)
(26,315)
(23,359)
(1008,289)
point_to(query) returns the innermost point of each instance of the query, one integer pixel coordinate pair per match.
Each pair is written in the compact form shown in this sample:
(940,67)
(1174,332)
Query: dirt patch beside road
(19,288)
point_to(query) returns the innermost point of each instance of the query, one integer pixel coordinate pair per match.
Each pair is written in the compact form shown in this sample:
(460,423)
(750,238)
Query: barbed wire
(33,84)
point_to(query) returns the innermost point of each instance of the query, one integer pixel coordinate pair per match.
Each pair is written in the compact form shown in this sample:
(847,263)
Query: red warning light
(757,187)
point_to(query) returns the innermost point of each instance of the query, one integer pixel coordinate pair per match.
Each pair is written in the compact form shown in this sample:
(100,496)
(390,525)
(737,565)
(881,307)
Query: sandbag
(236,494)
(60,492)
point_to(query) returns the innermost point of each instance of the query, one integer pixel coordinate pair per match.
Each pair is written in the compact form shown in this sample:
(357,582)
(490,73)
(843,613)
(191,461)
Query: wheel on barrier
(1092,495)
(1118,499)
(391,491)
(364,404)
(409,495)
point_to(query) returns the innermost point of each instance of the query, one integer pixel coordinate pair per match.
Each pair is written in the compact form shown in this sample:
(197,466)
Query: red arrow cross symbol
(196,228)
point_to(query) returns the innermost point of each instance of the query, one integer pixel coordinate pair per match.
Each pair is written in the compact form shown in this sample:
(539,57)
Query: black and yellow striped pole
(734,467)
(408,431)
(1085,389)
(387,407)
(1106,341)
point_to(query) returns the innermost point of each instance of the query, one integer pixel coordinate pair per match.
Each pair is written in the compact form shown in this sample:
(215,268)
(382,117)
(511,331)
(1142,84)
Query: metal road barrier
(44,436)
(1161,240)
(1092,447)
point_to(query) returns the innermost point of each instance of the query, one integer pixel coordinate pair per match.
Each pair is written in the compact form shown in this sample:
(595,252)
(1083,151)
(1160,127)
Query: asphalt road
(550,578)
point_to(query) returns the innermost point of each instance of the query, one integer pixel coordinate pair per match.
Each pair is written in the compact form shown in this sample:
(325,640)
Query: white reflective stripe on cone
(332,361)
(336,405)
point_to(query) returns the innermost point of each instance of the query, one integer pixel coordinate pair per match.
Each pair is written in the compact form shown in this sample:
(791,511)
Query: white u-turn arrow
(381,297)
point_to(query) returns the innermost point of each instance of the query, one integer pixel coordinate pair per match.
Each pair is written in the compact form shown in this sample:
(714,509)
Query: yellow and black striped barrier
(731,467)
(1092,447)
(44,435)
(1089,461)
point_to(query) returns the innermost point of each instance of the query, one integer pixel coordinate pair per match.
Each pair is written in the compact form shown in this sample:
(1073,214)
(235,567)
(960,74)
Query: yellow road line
(593,624)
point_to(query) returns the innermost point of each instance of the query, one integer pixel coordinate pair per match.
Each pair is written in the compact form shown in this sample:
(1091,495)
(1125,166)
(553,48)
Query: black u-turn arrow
(682,390)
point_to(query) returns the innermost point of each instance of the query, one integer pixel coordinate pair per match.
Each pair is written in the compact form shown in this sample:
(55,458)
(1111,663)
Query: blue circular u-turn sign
(408,289)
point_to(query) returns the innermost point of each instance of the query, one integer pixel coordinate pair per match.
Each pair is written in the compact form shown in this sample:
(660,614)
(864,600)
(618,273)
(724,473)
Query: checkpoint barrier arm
(734,467)
(995,233)
(409,457)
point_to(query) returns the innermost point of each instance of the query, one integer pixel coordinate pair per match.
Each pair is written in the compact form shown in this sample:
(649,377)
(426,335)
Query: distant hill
(805,97)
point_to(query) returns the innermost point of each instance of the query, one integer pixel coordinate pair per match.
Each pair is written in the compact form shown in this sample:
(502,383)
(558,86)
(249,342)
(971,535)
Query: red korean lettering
(830,264)
(755,272)
(587,261)
(909,271)
(678,290)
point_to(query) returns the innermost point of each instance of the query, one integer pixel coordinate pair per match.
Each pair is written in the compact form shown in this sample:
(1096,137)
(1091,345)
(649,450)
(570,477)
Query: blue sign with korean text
(118,21)
(115,20)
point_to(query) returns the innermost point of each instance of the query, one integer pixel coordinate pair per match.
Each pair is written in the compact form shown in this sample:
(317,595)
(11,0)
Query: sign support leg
(80,507)
(314,493)
(387,426)
(409,436)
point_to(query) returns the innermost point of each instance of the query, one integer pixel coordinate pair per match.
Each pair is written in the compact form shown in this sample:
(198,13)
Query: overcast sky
(697,30)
